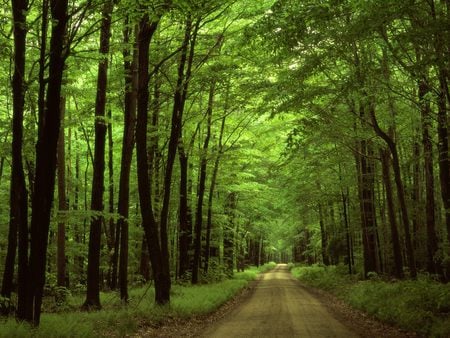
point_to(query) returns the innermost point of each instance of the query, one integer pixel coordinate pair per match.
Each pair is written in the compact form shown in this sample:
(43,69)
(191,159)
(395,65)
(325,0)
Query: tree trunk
(158,254)
(201,189)
(45,168)
(400,192)
(211,196)
(93,274)
(368,221)
(433,263)
(18,214)
(323,236)
(62,203)
(229,237)
(127,153)
(185,235)
(416,197)
(112,231)
(442,119)
(397,252)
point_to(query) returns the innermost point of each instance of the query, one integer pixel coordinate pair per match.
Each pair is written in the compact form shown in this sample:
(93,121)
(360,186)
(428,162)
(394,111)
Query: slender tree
(127,153)
(158,256)
(62,203)
(29,308)
(18,193)
(201,187)
(93,274)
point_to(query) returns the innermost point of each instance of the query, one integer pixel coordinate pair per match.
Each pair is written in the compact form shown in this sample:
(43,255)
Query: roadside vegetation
(63,319)
(421,305)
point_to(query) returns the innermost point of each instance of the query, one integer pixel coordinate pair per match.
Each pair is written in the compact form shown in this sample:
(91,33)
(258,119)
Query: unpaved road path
(279,307)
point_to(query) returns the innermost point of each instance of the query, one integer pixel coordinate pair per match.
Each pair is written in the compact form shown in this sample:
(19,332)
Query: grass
(252,272)
(118,320)
(421,305)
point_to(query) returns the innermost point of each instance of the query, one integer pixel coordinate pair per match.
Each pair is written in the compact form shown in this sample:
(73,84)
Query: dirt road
(279,307)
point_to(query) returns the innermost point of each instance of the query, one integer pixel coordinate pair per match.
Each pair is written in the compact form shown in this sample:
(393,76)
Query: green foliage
(266,267)
(252,273)
(421,305)
(118,320)
(203,299)
(330,278)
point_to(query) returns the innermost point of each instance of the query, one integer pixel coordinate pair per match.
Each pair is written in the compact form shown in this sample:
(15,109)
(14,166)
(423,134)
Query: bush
(267,267)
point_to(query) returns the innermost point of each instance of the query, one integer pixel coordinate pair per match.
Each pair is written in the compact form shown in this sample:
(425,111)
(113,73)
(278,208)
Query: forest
(178,142)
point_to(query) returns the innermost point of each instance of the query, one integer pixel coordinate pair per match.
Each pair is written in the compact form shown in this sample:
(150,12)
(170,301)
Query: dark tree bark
(157,250)
(179,101)
(62,203)
(323,235)
(416,196)
(127,154)
(348,236)
(93,273)
(211,195)
(397,252)
(229,235)
(110,239)
(42,61)
(185,235)
(201,188)
(400,192)
(441,50)
(433,263)
(45,169)
(365,174)
(18,222)
(367,208)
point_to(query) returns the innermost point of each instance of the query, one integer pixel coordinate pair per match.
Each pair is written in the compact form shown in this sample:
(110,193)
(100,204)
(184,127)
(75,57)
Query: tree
(18,221)
(156,240)
(30,303)
(93,276)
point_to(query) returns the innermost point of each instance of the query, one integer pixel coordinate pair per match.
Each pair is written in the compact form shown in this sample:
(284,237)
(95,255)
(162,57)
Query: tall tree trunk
(185,234)
(180,96)
(400,192)
(201,188)
(368,221)
(127,153)
(229,235)
(111,233)
(323,236)
(348,236)
(45,168)
(93,274)
(433,264)
(211,195)
(397,252)
(62,203)
(158,256)
(442,69)
(416,196)
(18,214)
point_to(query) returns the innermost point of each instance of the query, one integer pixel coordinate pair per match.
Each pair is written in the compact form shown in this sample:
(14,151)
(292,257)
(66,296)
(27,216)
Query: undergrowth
(118,320)
(421,305)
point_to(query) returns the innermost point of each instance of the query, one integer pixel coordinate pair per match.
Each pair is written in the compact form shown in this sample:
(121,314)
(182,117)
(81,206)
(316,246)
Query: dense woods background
(176,141)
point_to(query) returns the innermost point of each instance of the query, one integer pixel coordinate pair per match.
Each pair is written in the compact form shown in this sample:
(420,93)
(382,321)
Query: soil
(278,305)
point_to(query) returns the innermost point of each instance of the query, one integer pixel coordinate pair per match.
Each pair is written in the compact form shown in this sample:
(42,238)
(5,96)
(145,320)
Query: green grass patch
(118,320)
(252,272)
(267,267)
(421,305)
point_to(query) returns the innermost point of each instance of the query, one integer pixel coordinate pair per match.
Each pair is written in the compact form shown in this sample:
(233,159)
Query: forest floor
(277,305)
